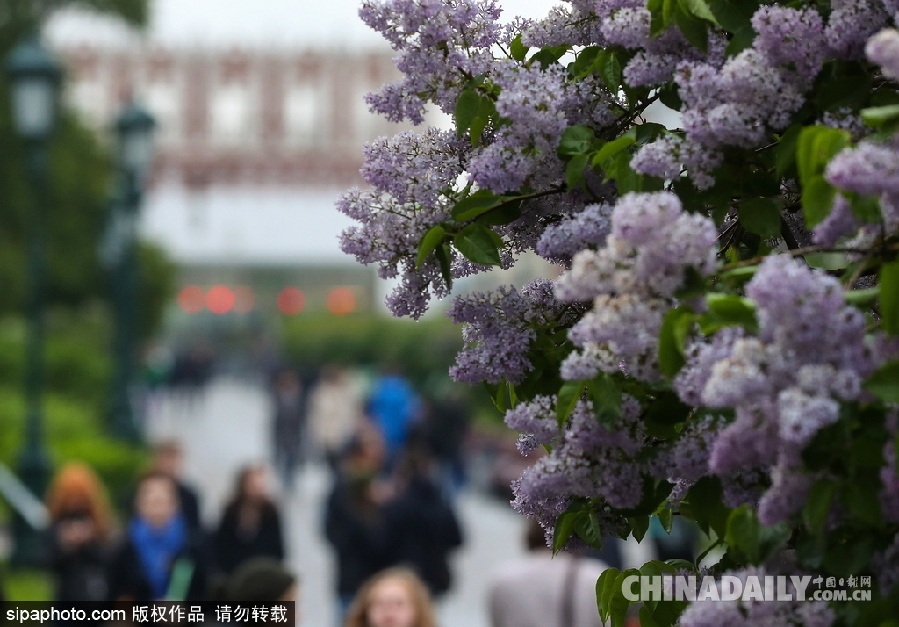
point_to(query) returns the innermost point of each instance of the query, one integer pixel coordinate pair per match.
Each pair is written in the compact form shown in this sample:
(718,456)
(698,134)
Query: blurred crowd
(389,516)
(396,461)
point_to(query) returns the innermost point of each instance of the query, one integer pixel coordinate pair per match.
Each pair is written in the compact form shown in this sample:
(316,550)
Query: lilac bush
(722,339)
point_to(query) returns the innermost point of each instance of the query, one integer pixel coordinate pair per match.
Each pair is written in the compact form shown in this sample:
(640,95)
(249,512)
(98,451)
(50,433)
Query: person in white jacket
(540,590)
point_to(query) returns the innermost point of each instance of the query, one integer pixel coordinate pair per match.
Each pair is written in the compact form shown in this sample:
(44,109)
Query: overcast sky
(252,23)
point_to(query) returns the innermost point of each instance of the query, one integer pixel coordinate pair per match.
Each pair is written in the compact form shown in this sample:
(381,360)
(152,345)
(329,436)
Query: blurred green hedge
(76,389)
(423,349)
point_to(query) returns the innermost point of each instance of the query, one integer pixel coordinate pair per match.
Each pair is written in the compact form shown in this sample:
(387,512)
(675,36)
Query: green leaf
(827,261)
(517,49)
(588,529)
(486,111)
(666,519)
(563,529)
(575,172)
(817,505)
(743,533)
(695,30)
(477,243)
(639,527)
(472,206)
(568,396)
(704,504)
(864,208)
(612,148)
(785,153)
(817,199)
(884,383)
(548,56)
(670,96)
(605,591)
(862,298)
(585,63)
(466,110)
(889,297)
(609,68)
(761,216)
(619,605)
(726,310)
(672,338)
(576,140)
(700,9)
(816,147)
(429,241)
(443,257)
(606,397)
(884,116)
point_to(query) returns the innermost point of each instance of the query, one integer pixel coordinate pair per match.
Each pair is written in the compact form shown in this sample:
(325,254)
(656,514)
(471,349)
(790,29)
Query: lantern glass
(34,106)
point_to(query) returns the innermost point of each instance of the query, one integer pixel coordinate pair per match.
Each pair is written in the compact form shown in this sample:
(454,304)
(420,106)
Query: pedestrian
(355,522)
(288,424)
(542,590)
(392,598)
(250,525)
(264,582)
(424,525)
(160,557)
(168,459)
(81,528)
(393,406)
(446,425)
(335,413)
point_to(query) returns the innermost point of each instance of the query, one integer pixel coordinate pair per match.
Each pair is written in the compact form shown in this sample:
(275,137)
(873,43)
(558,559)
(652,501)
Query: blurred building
(253,148)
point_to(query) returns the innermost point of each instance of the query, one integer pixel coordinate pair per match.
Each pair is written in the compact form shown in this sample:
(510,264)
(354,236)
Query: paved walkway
(227,428)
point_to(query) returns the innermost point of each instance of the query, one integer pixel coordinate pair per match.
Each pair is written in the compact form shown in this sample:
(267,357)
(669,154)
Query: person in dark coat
(161,557)
(79,536)
(355,523)
(251,524)
(168,459)
(426,528)
(288,425)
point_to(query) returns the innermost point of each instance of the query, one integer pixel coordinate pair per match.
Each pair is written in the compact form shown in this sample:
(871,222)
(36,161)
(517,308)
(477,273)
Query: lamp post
(35,79)
(134,132)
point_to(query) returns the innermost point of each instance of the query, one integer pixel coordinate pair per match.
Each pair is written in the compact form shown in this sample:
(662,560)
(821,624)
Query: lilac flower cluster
(588,460)
(632,281)
(851,23)
(499,328)
(741,100)
(871,168)
(439,44)
(525,151)
(412,176)
(785,383)
(587,229)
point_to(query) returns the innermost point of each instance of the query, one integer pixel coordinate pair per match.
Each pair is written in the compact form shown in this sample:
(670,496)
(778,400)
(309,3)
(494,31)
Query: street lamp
(35,79)
(134,133)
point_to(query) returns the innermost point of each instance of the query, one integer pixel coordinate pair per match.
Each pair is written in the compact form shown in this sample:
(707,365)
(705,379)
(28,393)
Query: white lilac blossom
(883,49)
(632,280)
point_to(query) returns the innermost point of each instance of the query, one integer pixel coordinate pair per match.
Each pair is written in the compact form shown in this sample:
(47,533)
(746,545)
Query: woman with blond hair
(395,597)
(80,533)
